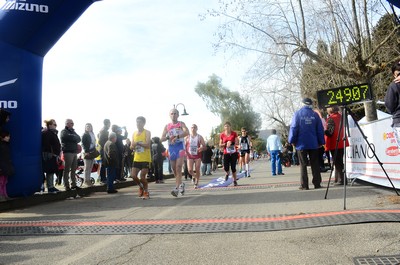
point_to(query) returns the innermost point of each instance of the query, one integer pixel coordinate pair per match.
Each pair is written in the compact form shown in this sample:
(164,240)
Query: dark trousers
(230,161)
(313,155)
(158,169)
(103,176)
(111,174)
(321,157)
(338,165)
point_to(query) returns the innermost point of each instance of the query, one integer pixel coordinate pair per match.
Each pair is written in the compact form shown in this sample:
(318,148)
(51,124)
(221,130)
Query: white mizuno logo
(9,82)
(21,5)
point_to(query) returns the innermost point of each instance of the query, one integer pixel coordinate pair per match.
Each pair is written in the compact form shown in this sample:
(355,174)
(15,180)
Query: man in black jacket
(111,161)
(206,161)
(103,138)
(69,146)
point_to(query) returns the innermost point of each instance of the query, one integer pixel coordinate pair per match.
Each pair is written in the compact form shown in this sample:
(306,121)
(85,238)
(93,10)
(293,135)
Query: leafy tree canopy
(229,105)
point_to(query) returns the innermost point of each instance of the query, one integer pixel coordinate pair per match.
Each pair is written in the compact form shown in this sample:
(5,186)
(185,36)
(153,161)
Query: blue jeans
(276,162)
(103,177)
(206,168)
(111,174)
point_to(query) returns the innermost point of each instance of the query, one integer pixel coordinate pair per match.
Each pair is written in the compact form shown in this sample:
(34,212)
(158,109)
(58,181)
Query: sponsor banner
(360,160)
(220,182)
(28,30)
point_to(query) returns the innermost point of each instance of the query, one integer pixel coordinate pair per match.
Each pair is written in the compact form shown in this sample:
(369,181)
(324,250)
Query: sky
(127,58)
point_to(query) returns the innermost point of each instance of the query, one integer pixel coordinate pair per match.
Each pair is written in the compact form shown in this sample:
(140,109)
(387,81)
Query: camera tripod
(344,124)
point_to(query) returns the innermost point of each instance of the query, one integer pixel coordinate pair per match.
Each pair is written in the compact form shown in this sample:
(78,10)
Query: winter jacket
(6,166)
(306,130)
(331,140)
(50,142)
(111,158)
(69,140)
(392,101)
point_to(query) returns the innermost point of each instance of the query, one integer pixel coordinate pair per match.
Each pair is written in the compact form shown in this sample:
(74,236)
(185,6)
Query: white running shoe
(182,189)
(175,192)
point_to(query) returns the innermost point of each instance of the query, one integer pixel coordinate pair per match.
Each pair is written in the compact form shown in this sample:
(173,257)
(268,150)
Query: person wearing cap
(392,101)
(307,135)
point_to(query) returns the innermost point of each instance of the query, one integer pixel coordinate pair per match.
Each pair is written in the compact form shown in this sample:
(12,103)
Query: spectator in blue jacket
(307,135)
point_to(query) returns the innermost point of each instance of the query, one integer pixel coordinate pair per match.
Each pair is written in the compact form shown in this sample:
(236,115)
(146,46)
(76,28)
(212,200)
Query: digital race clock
(344,95)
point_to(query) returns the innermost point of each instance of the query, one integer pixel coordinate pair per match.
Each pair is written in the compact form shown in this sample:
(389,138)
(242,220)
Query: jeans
(50,180)
(276,162)
(111,174)
(103,177)
(206,168)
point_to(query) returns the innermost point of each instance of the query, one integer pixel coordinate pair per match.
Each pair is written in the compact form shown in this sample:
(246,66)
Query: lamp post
(184,109)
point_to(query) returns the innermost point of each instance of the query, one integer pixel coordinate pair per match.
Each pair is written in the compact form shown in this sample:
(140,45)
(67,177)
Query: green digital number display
(344,95)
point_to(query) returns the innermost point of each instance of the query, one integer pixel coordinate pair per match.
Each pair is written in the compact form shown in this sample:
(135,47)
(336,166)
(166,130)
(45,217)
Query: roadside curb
(35,199)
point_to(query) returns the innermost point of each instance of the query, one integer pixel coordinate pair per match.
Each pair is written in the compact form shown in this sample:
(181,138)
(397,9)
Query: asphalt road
(265,220)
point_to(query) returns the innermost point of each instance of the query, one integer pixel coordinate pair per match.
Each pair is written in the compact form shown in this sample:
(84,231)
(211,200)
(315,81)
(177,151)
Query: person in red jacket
(332,136)
(229,141)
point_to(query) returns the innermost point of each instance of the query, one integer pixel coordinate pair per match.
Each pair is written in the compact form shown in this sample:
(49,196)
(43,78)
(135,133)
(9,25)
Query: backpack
(330,127)
(157,150)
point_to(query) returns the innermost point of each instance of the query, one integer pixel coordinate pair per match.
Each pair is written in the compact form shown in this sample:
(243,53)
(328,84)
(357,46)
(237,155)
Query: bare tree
(287,34)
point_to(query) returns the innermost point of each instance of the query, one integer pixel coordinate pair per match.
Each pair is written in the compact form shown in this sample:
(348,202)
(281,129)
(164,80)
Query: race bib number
(194,150)
(193,147)
(230,149)
(139,149)
(244,146)
(175,132)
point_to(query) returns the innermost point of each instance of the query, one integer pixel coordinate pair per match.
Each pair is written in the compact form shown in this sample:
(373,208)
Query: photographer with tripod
(333,137)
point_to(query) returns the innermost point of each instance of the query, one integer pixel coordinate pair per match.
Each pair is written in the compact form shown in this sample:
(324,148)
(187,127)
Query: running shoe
(141,191)
(53,190)
(146,195)
(235,183)
(182,189)
(89,184)
(175,192)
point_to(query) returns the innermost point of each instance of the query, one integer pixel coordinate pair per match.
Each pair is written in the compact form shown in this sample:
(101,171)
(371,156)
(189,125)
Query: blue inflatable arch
(395,2)
(28,30)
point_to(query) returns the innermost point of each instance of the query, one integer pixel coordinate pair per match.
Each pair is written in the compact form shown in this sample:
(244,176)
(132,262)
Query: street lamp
(184,109)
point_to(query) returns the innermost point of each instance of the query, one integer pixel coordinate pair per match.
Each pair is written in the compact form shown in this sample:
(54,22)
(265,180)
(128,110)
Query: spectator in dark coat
(103,138)
(157,150)
(6,166)
(120,149)
(51,152)
(206,161)
(111,161)
(69,146)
